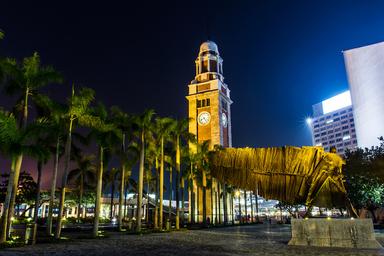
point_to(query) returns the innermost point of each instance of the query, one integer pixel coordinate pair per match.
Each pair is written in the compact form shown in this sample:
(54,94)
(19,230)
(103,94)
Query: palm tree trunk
(14,194)
(219,199)
(225,204)
(170,197)
(11,212)
(126,201)
(177,182)
(211,221)
(233,210)
(147,206)
(122,183)
(156,215)
(140,185)
(197,203)
(19,161)
(37,200)
(257,205)
(191,207)
(98,192)
(121,198)
(112,198)
(13,182)
(182,202)
(65,177)
(161,185)
(251,196)
(245,206)
(53,187)
(190,199)
(204,206)
(4,219)
(217,207)
(80,196)
(240,215)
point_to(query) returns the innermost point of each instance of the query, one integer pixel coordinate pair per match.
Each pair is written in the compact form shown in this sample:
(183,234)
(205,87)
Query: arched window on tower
(213,66)
(204,67)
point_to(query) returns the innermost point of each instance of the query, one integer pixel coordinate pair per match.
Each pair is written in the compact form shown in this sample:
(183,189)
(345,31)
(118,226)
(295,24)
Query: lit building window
(347,137)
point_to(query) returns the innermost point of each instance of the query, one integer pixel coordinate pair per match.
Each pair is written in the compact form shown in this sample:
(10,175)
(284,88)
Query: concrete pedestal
(352,233)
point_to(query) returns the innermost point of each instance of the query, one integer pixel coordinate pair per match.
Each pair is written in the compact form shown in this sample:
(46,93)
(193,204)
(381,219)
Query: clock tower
(209,99)
(209,107)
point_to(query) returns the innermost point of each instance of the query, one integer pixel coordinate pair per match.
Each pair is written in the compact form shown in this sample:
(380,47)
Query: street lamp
(308,120)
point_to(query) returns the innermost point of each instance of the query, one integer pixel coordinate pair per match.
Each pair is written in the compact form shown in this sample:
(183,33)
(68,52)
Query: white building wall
(365,71)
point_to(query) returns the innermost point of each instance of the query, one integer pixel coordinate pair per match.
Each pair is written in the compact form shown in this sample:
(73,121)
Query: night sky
(280,57)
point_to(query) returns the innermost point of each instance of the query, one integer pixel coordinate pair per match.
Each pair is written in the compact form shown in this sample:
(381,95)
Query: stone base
(352,233)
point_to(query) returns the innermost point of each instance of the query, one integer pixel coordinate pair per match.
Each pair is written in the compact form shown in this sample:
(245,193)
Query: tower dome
(209,46)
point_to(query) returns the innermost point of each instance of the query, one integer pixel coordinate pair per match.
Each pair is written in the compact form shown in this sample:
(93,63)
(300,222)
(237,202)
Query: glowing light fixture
(339,101)
(308,120)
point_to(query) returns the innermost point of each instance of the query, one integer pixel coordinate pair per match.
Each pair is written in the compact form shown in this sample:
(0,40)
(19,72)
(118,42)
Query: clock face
(204,118)
(224,120)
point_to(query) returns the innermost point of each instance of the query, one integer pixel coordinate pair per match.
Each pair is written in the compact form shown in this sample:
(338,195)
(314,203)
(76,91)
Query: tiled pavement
(244,240)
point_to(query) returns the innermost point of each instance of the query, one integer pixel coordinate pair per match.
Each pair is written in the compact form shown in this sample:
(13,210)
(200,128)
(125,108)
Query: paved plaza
(245,240)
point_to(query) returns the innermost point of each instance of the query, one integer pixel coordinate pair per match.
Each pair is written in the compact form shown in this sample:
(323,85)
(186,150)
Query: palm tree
(163,127)
(238,192)
(41,160)
(15,141)
(106,136)
(132,154)
(190,175)
(153,156)
(180,130)
(245,206)
(184,176)
(143,122)
(124,122)
(52,113)
(202,166)
(150,181)
(169,161)
(231,191)
(130,182)
(25,78)
(78,111)
(251,198)
(83,175)
(111,177)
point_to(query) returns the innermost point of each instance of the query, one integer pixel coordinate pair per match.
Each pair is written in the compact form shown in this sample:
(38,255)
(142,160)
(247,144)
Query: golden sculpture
(294,175)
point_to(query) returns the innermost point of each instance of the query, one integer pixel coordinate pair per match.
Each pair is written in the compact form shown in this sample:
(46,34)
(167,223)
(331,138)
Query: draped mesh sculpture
(306,175)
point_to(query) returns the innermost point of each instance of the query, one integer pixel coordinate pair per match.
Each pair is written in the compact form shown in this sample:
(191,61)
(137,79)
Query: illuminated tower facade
(209,99)
(209,108)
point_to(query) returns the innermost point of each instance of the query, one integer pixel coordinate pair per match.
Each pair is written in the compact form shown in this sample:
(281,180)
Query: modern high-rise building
(365,71)
(332,123)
